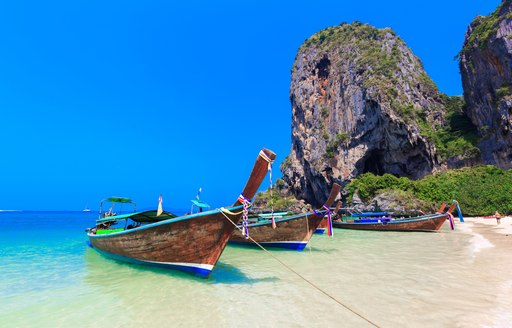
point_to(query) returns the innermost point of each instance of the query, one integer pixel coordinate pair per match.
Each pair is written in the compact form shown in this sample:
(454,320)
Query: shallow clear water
(50,278)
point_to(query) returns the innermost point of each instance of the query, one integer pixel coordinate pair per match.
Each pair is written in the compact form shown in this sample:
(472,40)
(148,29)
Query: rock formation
(361,102)
(486,68)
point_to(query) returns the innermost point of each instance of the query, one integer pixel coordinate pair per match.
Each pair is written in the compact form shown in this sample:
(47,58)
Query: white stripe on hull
(183,264)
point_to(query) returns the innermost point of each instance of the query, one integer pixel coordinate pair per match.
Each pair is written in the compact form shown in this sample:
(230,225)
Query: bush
(480,190)
(277,202)
(504,91)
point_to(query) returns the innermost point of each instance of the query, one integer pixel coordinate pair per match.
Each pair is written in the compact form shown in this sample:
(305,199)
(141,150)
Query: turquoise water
(50,278)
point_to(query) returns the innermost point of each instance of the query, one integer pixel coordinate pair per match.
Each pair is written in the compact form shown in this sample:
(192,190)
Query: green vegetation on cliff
(393,79)
(480,190)
(458,137)
(484,27)
(504,92)
(369,48)
(378,55)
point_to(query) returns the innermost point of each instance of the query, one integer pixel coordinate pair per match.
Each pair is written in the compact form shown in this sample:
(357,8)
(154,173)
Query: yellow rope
(300,276)
(225,210)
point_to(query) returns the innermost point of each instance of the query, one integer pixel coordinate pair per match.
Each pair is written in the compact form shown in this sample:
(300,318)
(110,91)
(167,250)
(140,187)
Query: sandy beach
(491,234)
(504,227)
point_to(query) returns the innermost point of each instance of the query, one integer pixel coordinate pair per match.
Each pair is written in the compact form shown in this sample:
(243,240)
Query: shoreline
(491,264)
(504,227)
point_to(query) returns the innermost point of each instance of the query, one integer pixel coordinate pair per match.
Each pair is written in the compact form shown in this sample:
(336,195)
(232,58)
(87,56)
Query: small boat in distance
(86,209)
(190,243)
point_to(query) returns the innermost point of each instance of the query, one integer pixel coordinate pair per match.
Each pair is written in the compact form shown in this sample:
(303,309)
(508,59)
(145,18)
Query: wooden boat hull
(192,243)
(322,227)
(425,223)
(291,233)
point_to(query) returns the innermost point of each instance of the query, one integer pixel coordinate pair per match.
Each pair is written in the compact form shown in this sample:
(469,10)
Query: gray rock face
(486,68)
(359,100)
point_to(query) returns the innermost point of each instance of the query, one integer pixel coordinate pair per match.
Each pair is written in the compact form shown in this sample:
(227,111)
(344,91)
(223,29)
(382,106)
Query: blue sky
(142,98)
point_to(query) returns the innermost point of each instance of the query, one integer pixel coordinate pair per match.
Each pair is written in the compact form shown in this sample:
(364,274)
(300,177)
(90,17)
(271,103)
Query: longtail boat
(291,232)
(428,222)
(190,243)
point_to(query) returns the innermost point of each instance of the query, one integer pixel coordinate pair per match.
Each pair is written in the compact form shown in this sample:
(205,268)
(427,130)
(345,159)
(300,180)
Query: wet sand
(499,235)
(489,277)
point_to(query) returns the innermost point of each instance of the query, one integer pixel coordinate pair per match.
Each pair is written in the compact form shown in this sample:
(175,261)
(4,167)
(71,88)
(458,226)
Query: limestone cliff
(486,68)
(361,102)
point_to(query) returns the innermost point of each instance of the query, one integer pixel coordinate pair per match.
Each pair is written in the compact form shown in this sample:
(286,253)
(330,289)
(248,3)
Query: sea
(49,277)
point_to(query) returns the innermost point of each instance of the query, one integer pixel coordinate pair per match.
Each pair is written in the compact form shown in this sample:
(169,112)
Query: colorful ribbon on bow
(450,218)
(245,215)
(329,221)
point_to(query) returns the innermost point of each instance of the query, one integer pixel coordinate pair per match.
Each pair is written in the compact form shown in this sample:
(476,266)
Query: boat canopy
(123,200)
(200,204)
(115,200)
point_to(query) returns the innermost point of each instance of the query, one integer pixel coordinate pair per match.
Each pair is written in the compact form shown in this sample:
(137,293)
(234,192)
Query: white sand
(504,227)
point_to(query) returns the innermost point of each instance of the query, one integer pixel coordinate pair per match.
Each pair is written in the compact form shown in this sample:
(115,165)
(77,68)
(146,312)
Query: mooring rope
(302,277)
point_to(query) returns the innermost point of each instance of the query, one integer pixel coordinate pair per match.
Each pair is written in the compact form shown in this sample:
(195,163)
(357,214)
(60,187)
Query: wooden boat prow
(323,225)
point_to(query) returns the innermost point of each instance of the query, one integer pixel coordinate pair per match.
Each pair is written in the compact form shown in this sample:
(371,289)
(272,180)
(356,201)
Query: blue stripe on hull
(200,272)
(320,230)
(297,246)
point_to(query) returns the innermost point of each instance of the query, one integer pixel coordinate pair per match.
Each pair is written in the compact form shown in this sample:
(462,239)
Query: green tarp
(118,200)
(144,217)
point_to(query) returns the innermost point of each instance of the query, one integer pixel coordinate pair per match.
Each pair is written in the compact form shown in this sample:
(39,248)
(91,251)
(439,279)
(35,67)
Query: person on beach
(497,215)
